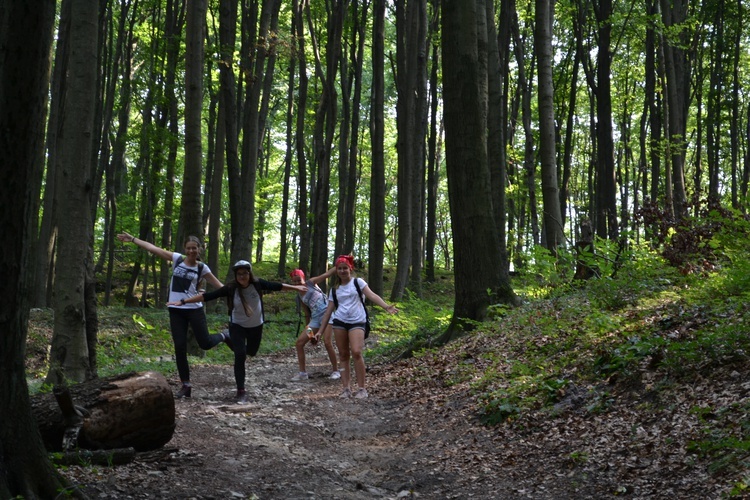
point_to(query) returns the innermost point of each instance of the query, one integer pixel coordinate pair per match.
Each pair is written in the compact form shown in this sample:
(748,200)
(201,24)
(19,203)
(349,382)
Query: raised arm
(159,252)
(378,300)
(323,277)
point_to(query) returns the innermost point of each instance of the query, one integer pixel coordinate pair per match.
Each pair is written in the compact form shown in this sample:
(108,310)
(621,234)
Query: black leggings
(246,343)
(179,319)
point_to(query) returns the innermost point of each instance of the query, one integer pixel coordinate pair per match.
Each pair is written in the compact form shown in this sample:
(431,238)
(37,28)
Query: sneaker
(184,392)
(361,393)
(300,376)
(227,340)
(335,375)
(241,397)
(346,393)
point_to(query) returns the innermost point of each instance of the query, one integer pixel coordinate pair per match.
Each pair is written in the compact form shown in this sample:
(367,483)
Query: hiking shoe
(346,393)
(184,392)
(361,393)
(335,375)
(300,376)
(241,397)
(227,340)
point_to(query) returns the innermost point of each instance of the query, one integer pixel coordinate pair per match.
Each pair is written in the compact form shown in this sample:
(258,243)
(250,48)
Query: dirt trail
(299,440)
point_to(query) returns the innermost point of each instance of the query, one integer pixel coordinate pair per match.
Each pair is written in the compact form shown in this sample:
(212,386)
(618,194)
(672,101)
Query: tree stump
(584,250)
(133,410)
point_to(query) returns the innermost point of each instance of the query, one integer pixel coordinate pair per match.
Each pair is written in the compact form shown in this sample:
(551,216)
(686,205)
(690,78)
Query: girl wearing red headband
(314,302)
(348,319)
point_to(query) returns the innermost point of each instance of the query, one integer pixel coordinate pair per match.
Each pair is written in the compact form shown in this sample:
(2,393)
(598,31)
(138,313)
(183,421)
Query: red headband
(347,259)
(298,272)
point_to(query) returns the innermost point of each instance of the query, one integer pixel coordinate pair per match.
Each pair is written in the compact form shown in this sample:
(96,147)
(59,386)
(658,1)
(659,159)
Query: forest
(487,139)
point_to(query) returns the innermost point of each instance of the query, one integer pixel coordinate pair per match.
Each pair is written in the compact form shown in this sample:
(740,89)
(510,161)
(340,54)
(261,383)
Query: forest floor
(419,437)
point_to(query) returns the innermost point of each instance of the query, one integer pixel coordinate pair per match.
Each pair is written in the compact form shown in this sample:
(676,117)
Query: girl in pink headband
(314,302)
(348,317)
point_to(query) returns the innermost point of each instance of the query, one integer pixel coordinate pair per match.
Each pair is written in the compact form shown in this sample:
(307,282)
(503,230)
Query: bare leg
(300,346)
(328,342)
(342,342)
(356,344)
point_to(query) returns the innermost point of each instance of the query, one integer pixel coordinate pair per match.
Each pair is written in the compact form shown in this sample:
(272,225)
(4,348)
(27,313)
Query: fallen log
(133,410)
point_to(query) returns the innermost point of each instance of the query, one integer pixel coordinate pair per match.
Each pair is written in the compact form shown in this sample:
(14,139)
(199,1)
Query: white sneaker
(346,393)
(300,376)
(335,375)
(361,393)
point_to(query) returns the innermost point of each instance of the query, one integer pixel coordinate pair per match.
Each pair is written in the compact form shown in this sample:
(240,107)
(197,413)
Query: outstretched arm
(195,298)
(378,300)
(159,252)
(213,280)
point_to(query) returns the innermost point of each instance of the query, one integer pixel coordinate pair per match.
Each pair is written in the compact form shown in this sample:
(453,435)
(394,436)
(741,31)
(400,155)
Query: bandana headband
(347,259)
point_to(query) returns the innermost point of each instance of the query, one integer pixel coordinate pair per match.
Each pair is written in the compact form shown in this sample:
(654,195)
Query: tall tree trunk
(69,355)
(411,81)
(676,72)
(47,241)
(325,126)
(376,242)
(553,228)
(288,156)
(299,133)
(26,37)
(433,156)
(478,266)
(191,222)
(606,190)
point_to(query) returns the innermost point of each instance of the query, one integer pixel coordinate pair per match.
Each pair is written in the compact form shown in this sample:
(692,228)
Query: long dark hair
(234,286)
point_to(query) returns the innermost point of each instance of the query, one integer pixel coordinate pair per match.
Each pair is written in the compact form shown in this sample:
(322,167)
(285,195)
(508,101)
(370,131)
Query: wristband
(132,240)
(182,302)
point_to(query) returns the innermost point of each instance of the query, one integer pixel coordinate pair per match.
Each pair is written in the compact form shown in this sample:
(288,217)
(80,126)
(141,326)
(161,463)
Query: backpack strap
(181,259)
(362,298)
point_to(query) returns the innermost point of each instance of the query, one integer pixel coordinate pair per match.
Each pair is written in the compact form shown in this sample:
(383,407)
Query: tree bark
(26,30)
(553,224)
(376,241)
(190,209)
(478,266)
(133,410)
(69,355)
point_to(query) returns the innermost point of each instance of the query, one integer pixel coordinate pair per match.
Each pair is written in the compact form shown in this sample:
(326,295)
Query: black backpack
(359,292)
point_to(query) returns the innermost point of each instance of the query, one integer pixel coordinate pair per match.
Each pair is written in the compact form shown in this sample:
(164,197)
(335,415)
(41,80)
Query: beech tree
(73,344)
(26,29)
(478,262)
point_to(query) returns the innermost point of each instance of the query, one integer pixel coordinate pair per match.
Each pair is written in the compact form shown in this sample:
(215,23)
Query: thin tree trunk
(553,228)
(376,240)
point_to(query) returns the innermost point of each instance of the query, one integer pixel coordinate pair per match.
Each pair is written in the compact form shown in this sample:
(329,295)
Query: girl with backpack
(245,306)
(314,302)
(348,316)
(187,273)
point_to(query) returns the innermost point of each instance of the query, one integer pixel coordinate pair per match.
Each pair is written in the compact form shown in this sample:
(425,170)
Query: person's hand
(125,237)
(391,309)
(174,303)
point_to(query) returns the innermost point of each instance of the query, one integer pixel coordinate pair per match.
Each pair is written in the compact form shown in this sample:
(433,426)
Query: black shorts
(347,326)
